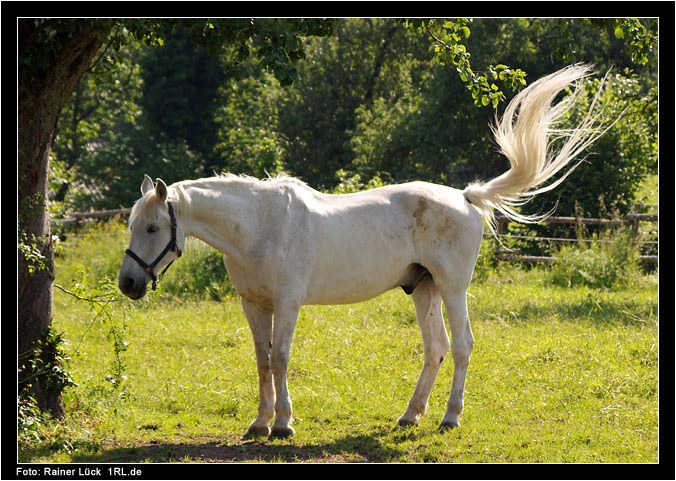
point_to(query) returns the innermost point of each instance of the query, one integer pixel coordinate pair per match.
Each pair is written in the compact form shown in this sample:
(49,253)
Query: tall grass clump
(610,261)
(96,248)
(200,272)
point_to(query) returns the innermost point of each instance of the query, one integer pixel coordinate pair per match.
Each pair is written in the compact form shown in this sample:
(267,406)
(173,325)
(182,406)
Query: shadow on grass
(350,448)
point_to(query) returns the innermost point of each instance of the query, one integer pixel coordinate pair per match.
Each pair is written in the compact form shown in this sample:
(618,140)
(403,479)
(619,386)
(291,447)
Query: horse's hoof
(406,423)
(446,425)
(282,433)
(257,432)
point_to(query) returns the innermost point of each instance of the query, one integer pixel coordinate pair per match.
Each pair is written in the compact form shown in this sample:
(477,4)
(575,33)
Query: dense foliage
(379,100)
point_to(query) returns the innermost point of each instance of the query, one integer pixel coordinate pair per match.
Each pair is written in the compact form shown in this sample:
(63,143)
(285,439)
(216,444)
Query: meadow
(560,372)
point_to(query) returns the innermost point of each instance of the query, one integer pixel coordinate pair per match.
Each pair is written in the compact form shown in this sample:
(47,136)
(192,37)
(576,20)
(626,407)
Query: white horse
(286,245)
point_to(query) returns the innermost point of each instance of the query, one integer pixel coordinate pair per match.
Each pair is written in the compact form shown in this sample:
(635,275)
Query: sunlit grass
(558,374)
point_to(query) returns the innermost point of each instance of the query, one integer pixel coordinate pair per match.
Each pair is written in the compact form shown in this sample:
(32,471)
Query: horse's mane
(274,178)
(181,201)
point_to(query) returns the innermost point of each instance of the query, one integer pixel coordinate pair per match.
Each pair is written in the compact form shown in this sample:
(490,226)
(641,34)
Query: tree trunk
(43,91)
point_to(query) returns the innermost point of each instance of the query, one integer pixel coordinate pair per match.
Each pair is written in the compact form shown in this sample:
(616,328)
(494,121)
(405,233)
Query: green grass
(558,374)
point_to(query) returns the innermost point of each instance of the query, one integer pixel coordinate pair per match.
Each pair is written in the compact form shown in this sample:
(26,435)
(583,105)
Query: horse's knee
(437,351)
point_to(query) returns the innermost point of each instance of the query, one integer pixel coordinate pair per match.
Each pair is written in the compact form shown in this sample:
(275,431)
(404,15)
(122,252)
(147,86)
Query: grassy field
(558,373)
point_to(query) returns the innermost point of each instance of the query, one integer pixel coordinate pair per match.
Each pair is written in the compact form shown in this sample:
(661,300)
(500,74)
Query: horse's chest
(261,279)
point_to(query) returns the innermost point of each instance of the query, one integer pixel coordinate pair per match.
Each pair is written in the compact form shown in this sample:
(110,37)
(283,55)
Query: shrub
(199,272)
(603,263)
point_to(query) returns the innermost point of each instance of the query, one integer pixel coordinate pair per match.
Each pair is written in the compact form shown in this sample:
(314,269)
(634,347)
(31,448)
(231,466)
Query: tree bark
(44,87)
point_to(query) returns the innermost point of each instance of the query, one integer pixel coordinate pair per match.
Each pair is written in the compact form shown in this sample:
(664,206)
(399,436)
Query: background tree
(364,60)
(376,99)
(103,105)
(179,93)
(249,138)
(53,56)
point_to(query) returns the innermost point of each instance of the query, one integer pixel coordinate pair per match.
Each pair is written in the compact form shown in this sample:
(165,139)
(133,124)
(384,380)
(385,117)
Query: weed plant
(609,261)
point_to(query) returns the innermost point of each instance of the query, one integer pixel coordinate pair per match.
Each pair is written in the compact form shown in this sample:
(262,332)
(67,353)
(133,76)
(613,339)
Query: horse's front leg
(285,323)
(461,348)
(260,322)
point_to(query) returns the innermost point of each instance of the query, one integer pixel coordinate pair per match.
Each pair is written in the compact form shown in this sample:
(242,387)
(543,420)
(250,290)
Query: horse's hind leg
(427,301)
(260,322)
(455,300)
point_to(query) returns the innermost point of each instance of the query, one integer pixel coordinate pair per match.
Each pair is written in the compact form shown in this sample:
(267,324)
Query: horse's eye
(152,228)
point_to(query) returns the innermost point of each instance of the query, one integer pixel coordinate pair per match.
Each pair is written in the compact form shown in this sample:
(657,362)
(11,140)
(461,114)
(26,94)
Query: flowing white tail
(526,143)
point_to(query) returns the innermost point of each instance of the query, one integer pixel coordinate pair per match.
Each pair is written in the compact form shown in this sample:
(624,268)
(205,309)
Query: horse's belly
(340,295)
(351,282)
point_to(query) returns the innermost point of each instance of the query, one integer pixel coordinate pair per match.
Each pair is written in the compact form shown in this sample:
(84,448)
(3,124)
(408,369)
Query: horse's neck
(216,217)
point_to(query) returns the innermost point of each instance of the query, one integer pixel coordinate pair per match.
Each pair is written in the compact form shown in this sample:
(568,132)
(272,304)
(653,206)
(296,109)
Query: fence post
(634,224)
(502,224)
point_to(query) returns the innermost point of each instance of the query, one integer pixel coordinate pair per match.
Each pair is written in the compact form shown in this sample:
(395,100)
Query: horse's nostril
(126,284)
(132,287)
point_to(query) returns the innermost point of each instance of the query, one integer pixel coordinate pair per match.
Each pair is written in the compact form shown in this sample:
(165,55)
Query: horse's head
(156,240)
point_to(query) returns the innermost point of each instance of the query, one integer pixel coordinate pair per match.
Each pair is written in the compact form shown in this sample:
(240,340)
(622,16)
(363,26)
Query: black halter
(171,246)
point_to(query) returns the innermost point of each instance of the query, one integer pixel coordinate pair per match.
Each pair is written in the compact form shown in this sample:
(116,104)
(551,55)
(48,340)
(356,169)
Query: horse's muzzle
(132,287)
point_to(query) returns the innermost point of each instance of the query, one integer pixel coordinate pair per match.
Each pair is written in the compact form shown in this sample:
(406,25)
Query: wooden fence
(79,218)
(633,219)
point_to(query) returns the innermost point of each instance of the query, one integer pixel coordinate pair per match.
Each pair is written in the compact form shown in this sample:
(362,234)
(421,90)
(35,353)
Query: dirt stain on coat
(419,213)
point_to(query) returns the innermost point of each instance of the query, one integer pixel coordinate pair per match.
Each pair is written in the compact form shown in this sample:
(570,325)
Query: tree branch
(88,299)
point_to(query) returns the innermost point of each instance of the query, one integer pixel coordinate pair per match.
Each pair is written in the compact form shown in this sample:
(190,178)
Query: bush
(199,272)
(608,180)
(604,263)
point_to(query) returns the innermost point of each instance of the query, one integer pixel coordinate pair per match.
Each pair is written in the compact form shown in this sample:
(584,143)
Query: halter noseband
(171,246)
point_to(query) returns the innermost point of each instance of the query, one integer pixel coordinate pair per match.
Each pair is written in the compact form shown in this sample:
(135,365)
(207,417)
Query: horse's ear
(161,190)
(147,184)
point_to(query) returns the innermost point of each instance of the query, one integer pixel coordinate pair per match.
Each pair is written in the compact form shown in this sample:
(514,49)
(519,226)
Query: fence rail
(78,218)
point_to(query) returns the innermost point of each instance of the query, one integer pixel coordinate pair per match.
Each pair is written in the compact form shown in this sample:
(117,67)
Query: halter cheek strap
(172,246)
